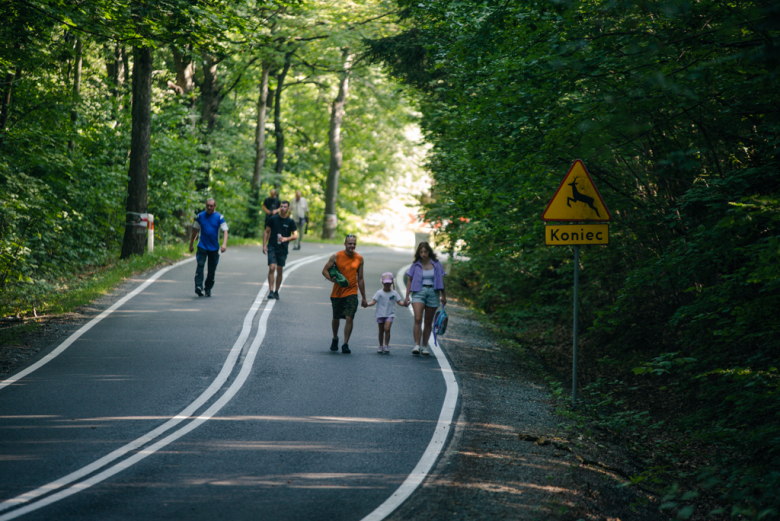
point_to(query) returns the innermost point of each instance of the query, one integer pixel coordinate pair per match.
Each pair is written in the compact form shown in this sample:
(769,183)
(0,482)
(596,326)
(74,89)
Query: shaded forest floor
(511,455)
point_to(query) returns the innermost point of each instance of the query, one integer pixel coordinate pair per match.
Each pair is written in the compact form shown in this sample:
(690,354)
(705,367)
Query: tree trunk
(210,92)
(135,234)
(5,107)
(116,68)
(278,130)
(260,153)
(334,144)
(185,69)
(210,99)
(74,113)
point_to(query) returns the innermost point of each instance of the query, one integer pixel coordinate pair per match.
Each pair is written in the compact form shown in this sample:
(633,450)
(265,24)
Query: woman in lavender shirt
(426,285)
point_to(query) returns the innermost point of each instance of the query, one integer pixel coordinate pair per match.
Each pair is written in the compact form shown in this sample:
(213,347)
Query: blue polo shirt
(209,226)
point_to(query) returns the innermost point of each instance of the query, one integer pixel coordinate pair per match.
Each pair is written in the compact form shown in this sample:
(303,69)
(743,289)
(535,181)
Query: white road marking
(89,325)
(216,385)
(439,438)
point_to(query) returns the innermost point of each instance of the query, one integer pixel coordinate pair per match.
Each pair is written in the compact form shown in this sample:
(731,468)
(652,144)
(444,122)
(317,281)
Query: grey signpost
(592,209)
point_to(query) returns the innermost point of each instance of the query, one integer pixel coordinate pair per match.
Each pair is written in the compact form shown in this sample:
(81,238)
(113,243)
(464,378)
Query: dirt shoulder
(511,456)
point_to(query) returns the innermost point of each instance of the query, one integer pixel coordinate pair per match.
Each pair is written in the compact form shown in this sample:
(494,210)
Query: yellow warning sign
(576,234)
(577,199)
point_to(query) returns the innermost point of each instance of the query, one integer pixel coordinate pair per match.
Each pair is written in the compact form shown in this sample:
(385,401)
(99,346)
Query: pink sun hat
(387,277)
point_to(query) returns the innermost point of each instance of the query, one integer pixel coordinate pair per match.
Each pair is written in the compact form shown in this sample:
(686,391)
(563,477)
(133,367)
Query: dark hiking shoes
(199,291)
(334,345)
(208,292)
(345,349)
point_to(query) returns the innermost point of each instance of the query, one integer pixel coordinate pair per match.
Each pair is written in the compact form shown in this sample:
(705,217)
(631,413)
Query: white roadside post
(150,233)
(593,210)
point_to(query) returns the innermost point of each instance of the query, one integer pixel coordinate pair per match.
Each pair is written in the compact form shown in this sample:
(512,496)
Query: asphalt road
(285,429)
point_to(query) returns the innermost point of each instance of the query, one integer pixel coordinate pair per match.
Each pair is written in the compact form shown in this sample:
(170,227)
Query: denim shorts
(427,296)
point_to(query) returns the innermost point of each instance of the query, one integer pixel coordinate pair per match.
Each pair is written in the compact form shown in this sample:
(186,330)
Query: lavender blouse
(415,273)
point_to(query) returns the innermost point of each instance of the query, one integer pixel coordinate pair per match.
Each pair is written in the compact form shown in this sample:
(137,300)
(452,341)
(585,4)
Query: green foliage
(64,158)
(672,107)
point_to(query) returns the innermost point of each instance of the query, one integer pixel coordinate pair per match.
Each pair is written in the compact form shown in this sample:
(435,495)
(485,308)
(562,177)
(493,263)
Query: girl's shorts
(428,296)
(382,320)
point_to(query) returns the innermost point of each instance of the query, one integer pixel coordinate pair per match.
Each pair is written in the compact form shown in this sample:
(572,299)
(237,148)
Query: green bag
(336,275)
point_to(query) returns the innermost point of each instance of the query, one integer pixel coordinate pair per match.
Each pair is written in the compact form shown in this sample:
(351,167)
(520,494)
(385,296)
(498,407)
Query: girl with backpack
(426,289)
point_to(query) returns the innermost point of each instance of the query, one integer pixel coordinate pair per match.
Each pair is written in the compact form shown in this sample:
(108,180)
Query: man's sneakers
(199,291)
(416,350)
(208,292)
(334,346)
(273,295)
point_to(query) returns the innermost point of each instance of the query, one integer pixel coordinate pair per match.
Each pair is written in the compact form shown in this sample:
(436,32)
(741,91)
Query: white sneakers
(424,351)
(416,350)
(383,349)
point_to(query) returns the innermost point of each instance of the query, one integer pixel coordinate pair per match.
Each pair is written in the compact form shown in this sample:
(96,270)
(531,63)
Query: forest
(114,109)
(673,108)
(110,109)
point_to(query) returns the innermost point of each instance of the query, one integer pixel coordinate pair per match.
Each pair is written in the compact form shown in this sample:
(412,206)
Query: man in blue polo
(209,223)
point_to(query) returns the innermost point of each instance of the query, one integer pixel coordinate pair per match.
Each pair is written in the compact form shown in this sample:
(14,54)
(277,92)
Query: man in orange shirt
(344,299)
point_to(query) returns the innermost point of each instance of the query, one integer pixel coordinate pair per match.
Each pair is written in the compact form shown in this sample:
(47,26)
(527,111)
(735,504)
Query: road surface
(229,407)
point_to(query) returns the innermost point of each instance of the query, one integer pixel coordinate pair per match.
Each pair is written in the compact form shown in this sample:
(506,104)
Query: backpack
(440,321)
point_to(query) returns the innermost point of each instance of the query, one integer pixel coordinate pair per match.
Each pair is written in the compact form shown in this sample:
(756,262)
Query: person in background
(426,285)
(344,299)
(386,299)
(271,205)
(208,223)
(299,211)
(279,230)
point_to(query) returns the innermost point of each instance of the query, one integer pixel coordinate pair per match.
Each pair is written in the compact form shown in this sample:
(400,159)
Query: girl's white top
(427,277)
(385,303)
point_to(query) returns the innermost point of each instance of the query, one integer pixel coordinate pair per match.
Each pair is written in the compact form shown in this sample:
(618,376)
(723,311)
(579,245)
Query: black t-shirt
(272,203)
(278,225)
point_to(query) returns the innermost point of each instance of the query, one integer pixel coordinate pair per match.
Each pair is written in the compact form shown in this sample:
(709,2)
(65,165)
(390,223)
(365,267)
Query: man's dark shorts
(276,257)
(344,307)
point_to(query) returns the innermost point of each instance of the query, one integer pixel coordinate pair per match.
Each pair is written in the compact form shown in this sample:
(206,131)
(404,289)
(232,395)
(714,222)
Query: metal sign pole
(576,310)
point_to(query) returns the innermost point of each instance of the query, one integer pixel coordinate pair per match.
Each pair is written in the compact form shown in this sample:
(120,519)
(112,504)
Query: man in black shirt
(279,230)
(271,206)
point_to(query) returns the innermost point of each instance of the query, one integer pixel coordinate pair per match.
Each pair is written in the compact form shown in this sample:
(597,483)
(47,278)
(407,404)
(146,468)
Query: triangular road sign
(577,199)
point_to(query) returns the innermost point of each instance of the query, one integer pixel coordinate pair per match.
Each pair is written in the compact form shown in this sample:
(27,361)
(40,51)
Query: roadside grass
(31,300)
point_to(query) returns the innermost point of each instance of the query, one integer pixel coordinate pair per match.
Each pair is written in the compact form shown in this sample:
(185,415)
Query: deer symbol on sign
(576,196)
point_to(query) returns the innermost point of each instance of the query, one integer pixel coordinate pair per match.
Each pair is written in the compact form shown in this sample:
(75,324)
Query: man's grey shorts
(276,257)
(427,296)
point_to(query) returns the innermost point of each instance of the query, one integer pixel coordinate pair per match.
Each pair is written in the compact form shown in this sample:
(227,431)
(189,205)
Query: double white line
(72,481)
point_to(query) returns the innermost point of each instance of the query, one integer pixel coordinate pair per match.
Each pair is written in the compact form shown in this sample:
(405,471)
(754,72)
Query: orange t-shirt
(348,266)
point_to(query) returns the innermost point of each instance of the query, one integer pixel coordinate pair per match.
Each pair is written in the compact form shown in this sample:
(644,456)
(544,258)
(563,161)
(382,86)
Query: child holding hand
(385,300)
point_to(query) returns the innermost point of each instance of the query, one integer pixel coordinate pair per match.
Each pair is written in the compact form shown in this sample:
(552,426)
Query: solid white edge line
(89,325)
(439,438)
(215,386)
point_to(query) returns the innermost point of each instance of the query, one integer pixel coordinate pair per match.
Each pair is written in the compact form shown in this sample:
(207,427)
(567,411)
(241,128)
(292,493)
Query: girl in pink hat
(385,300)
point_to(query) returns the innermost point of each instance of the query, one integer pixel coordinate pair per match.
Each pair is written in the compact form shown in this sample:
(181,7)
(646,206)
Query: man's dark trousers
(213,259)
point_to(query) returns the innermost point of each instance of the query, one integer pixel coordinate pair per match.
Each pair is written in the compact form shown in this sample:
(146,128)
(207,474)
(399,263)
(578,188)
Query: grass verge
(63,295)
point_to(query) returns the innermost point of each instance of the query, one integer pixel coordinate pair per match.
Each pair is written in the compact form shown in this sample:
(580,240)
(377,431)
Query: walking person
(386,299)
(344,300)
(280,229)
(271,205)
(426,286)
(208,223)
(299,211)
